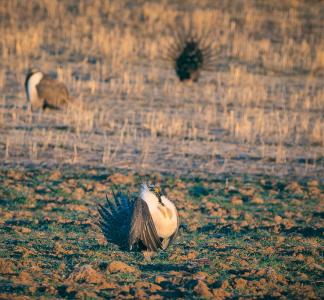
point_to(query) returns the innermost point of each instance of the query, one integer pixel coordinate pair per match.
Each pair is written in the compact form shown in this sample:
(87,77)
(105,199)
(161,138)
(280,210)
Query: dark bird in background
(190,52)
(150,222)
(43,91)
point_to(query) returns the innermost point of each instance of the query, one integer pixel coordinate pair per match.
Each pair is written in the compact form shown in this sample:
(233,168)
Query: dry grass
(261,110)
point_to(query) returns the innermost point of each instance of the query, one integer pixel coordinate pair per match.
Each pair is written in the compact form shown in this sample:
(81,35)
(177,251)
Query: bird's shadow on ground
(153,267)
(305,231)
(170,288)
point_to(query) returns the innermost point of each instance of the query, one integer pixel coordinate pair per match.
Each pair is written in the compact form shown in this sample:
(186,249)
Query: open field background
(260,111)
(221,148)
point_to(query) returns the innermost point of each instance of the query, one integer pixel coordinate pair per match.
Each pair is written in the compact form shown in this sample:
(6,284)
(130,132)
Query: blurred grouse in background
(190,52)
(43,91)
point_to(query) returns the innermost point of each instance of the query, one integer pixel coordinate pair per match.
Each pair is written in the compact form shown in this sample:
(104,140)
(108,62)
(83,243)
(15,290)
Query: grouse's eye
(155,190)
(151,187)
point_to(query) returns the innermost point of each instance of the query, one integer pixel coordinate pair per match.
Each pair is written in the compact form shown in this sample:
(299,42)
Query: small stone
(236,200)
(99,187)
(159,279)
(85,295)
(24,278)
(6,266)
(257,200)
(21,229)
(145,284)
(225,284)
(56,175)
(140,294)
(78,194)
(192,255)
(313,183)
(107,286)
(202,289)
(277,219)
(77,207)
(86,274)
(180,184)
(200,275)
(119,178)
(221,294)
(241,283)
(121,267)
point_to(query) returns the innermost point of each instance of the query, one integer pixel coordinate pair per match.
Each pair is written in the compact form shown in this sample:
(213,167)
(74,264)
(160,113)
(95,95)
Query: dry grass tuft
(261,110)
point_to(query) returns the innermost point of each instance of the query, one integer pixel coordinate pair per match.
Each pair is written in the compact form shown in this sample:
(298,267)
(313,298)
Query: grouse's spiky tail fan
(190,51)
(116,219)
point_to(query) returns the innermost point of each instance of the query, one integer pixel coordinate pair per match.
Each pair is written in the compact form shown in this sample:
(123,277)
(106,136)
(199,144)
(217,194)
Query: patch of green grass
(10,197)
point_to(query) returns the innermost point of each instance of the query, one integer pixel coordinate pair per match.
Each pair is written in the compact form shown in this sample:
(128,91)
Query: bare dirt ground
(242,236)
(240,151)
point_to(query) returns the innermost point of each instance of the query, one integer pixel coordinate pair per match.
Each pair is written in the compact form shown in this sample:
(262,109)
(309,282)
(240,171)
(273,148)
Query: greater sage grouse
(43,92)
(190,52)
(150,222)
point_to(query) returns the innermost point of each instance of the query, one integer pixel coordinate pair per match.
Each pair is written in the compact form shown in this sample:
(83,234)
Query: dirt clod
(86,274)
(121,267)
(202,290)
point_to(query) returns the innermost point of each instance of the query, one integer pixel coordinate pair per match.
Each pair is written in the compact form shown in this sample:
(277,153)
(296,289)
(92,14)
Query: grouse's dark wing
(54,93)
(143,230)
(116,219)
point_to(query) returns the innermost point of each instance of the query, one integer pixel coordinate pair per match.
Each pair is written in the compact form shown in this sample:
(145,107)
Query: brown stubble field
(240,152)
(260,111)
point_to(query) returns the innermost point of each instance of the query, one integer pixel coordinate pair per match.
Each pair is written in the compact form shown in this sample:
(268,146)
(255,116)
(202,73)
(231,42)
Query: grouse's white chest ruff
(32,83)
(164,216)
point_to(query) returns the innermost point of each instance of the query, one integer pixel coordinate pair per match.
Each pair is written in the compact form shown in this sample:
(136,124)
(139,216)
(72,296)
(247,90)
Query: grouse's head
(32,71)
(33,77)
(152,193)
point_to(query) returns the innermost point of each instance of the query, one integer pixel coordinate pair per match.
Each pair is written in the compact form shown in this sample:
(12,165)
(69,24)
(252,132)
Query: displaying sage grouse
(43,92)
(190,52)
(147,223)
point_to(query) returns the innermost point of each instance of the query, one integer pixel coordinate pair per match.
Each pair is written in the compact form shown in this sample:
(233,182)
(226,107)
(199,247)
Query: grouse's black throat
(157,192)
